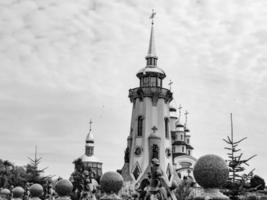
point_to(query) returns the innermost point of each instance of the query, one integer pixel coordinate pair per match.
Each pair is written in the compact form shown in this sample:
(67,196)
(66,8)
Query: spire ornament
(186,115)
(151,53)
(90,125)
(180,110)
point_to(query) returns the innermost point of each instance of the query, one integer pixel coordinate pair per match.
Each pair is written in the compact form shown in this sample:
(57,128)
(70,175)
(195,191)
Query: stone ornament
(138,150)
(211,172)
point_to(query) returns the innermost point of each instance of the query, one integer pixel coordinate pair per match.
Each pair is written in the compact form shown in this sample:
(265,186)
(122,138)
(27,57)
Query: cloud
(64,62)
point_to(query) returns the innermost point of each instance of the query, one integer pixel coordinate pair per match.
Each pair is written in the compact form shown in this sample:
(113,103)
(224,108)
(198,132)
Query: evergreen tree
(237,178)
(34,174)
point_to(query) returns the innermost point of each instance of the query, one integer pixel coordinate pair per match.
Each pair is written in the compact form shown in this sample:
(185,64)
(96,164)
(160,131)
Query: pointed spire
(151,53)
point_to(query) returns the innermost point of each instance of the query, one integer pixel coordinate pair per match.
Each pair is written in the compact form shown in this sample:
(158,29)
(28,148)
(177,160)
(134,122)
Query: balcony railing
(153,92)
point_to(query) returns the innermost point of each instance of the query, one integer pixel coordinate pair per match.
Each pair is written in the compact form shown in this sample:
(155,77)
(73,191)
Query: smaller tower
(182,150)
(89,161)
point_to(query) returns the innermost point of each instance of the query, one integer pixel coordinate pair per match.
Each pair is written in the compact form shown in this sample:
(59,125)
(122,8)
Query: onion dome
(36,190)
(18,192)
(178,124)
(172,109)
(89,137)
(186,130)
(64,187)
(5,191)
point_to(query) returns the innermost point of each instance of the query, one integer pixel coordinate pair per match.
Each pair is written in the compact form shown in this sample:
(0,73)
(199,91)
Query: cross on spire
(186,114)
(152,16)
(90,125)
(170,84)
(180,110)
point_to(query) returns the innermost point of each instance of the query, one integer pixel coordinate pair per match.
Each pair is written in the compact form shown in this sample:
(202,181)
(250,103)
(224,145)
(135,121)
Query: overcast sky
(64,62)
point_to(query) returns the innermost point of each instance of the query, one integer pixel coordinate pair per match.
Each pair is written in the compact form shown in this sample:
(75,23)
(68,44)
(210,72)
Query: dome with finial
(90,137)
(151,58)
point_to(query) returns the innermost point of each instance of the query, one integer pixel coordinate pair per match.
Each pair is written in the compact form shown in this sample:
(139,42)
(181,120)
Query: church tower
(150,123)
(88,159)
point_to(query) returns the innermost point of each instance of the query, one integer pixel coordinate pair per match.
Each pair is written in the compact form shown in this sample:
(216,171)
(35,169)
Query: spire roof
(151,58)
(151,47)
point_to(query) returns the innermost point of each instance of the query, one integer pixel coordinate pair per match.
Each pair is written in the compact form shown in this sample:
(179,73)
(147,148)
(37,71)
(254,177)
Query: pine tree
(237,177)
(32,169)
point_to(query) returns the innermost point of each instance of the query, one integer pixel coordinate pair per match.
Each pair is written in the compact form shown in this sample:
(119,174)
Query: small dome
(151,70)
(90,136)
(186,130)
(179,125)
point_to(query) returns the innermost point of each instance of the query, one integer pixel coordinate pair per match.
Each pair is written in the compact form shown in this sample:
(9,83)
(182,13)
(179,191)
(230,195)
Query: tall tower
(150,123)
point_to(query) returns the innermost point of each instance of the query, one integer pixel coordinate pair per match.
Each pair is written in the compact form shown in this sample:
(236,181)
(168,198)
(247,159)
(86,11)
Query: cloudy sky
(64,62)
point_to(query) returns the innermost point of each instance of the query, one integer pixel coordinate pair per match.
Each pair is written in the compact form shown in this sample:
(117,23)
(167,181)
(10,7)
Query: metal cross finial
(170,84)
(154,129)
(90,122)
(186,113)
(152,16)
(180,110)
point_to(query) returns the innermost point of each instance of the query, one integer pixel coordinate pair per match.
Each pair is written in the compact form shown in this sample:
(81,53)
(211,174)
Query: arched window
(140,126)
(166,122)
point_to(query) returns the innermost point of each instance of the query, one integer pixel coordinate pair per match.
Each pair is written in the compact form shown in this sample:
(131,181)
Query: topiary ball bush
(64,187)
(36,190)
(18,192)
(211,171)
(5,191)
(111,182)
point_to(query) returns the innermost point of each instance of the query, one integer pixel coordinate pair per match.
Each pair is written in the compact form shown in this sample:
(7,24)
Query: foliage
(238,180)
(64,187)
(183,190)
(11,175)
(111,182)
(211,171)
(257,182)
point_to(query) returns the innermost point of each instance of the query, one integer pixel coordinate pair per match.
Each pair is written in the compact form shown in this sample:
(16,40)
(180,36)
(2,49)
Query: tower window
(181,137)
(166,121)
(146,82)
(182,149)
(140,126)
(153,81)
(187,141)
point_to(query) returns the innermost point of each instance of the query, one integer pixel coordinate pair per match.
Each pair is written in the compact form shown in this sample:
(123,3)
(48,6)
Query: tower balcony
(153,92)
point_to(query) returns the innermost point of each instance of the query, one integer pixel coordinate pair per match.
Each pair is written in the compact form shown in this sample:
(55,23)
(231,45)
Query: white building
(150,135)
